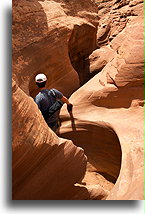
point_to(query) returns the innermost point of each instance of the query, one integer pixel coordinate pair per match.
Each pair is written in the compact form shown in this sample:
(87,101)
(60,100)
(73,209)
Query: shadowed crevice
(101,145)
(81,44)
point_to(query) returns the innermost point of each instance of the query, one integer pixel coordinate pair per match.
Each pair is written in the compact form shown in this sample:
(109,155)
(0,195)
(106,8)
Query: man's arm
(65,100)
(69,105)
(37,101)
(60,96)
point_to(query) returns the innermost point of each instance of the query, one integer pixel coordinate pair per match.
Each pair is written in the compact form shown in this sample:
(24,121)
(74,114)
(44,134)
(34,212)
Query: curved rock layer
(100,144)
(115,96)
(41,31)
(43,165)
(80,49)
(48,37)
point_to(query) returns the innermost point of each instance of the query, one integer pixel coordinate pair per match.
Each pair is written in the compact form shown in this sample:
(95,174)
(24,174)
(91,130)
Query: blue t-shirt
(45,99)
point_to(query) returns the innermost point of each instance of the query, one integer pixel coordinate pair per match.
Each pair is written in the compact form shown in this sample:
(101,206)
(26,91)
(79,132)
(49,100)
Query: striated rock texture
(68,42)
(41,34)
(108,110)
(114,17)
(43,165)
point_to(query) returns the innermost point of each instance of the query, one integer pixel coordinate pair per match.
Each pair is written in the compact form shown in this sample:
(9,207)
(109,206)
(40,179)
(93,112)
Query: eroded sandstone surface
(44,166)
(113,98)
(98,46)
(41,34)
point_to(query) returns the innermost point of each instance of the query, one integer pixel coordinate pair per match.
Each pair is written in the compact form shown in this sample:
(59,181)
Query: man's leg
(53,125)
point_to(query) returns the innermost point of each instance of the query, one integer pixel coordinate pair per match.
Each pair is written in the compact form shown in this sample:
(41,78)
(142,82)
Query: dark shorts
(53,125)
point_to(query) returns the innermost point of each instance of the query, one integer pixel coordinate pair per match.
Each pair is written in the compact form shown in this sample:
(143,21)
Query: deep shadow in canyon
(81,44)
(98,142)
(101,145)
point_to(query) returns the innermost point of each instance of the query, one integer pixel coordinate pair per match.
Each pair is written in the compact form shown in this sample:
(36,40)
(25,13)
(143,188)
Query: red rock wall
(41,33)
(115,96)
(45,40)
(43,166)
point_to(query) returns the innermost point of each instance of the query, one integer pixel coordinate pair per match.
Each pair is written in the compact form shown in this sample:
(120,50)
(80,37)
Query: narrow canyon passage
(92,52)
(99,141)
(81,44)
(102,148)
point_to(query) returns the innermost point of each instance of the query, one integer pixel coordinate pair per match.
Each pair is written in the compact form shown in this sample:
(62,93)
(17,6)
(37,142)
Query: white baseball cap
(40,78)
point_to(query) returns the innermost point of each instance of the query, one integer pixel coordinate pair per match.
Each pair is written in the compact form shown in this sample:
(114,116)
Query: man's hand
(69,107)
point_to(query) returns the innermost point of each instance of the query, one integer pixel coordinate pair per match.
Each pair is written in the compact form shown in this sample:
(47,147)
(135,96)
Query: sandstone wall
(114,17)
(43,165)
(41,34)
(63,40)
(114,97)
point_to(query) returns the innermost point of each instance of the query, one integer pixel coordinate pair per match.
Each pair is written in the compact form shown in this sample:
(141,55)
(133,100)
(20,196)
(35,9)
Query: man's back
(45,99)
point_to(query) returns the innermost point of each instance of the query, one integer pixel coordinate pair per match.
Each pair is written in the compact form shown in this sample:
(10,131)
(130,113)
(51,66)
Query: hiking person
(49,102)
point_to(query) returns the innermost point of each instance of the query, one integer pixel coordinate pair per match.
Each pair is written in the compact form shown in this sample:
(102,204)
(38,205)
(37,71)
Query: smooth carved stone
(112,98)
(43,166)
(41,31)
(107,120)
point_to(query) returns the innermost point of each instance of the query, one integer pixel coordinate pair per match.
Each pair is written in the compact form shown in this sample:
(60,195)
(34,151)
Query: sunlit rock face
(41,34)
(71,42)
(113,98)
(43,165)
(115,16)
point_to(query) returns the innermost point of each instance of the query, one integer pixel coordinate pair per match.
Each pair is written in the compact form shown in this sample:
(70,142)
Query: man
(46,99)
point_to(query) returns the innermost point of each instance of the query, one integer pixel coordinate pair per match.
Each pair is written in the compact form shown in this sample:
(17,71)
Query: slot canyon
(92,51)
